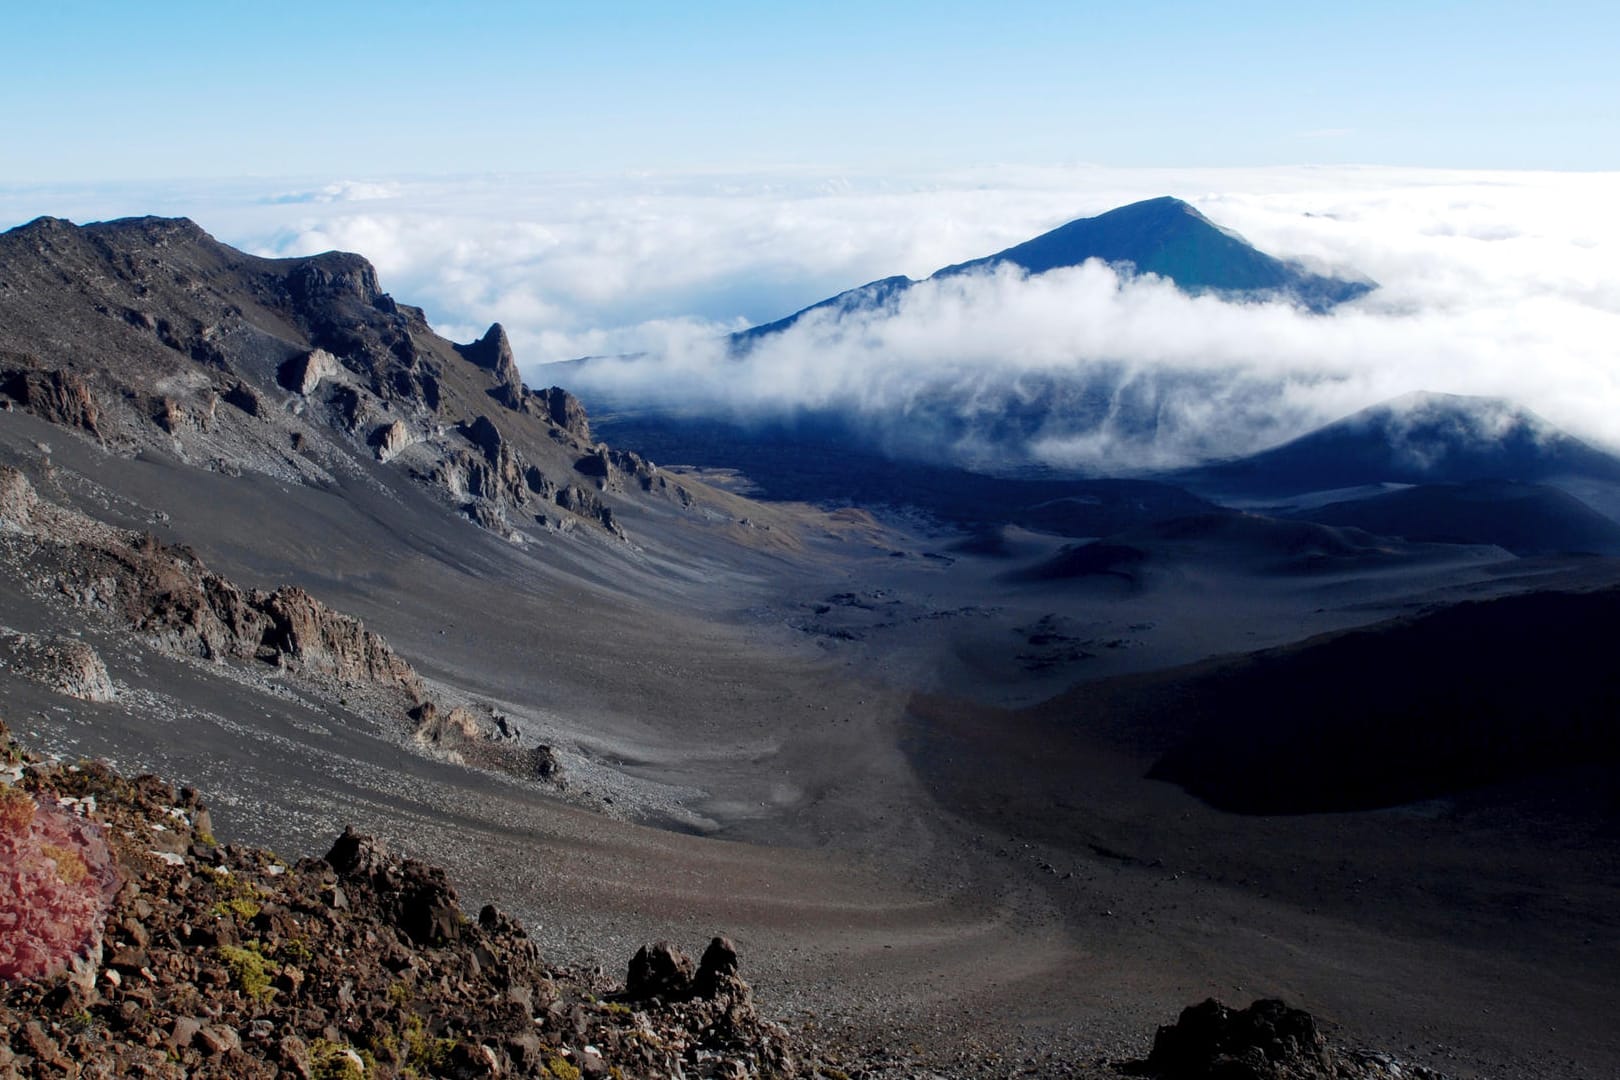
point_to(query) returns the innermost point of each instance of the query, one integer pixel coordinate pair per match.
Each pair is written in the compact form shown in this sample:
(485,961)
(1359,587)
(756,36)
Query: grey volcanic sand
(965,886)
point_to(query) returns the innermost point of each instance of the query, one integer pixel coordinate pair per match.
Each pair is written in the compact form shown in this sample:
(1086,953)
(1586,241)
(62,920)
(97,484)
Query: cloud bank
(1502,284)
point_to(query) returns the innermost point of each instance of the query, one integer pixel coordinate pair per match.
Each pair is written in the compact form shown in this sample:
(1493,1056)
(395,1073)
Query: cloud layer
(1491,283)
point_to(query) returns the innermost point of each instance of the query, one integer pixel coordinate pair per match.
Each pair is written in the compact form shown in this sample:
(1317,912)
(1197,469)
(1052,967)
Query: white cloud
(1492,283)
(341,191)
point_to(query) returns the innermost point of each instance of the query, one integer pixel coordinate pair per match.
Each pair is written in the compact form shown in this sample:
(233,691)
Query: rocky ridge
(168,341)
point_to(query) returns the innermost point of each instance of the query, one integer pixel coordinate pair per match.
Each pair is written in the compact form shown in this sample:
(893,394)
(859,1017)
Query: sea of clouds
(1499,284)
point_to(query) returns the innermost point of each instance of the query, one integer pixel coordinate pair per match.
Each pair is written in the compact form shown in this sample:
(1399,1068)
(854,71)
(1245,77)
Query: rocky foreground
(133,944)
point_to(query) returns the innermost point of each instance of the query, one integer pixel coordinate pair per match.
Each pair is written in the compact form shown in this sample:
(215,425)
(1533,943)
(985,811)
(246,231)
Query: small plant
(616,1008)
(250,970)
(561,1068)
(69,866)
(423,1051)
(239,906)
(335,1061)
(385,1044)
(399,992)
(295,951)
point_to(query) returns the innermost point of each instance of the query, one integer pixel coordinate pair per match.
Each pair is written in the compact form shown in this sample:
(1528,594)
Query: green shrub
(250,970)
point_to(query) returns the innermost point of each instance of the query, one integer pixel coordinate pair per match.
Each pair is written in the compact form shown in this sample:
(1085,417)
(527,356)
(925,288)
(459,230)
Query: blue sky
(106,91)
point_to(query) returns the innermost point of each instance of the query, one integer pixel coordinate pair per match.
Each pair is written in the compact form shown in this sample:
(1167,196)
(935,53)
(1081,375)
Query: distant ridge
(1526,519)
(1163,236)
(1418,438)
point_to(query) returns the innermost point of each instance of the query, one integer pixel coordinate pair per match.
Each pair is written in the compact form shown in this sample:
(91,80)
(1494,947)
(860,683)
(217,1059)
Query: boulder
(598,466)
(350,408)
(435,724)
(1267,1041)
(415,897)
(539,483)
(355,856)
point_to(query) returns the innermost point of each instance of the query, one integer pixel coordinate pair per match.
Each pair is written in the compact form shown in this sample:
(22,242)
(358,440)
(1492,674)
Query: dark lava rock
(244,397)
(416,897)
(660,970)
(356,856)
(1266,1041)
(717,971)
(546,764)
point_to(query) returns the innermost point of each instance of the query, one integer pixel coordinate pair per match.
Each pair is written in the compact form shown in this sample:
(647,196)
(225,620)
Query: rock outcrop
(434,724)
(166,594)
(497,479)
(337,275)
(303,373)
(577,500)
(460,734)
(17,501)
(390,439)
(659,971)
(305,635)
(663,972)
(493,352)
(565,411)
(59,397)
(67,665)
